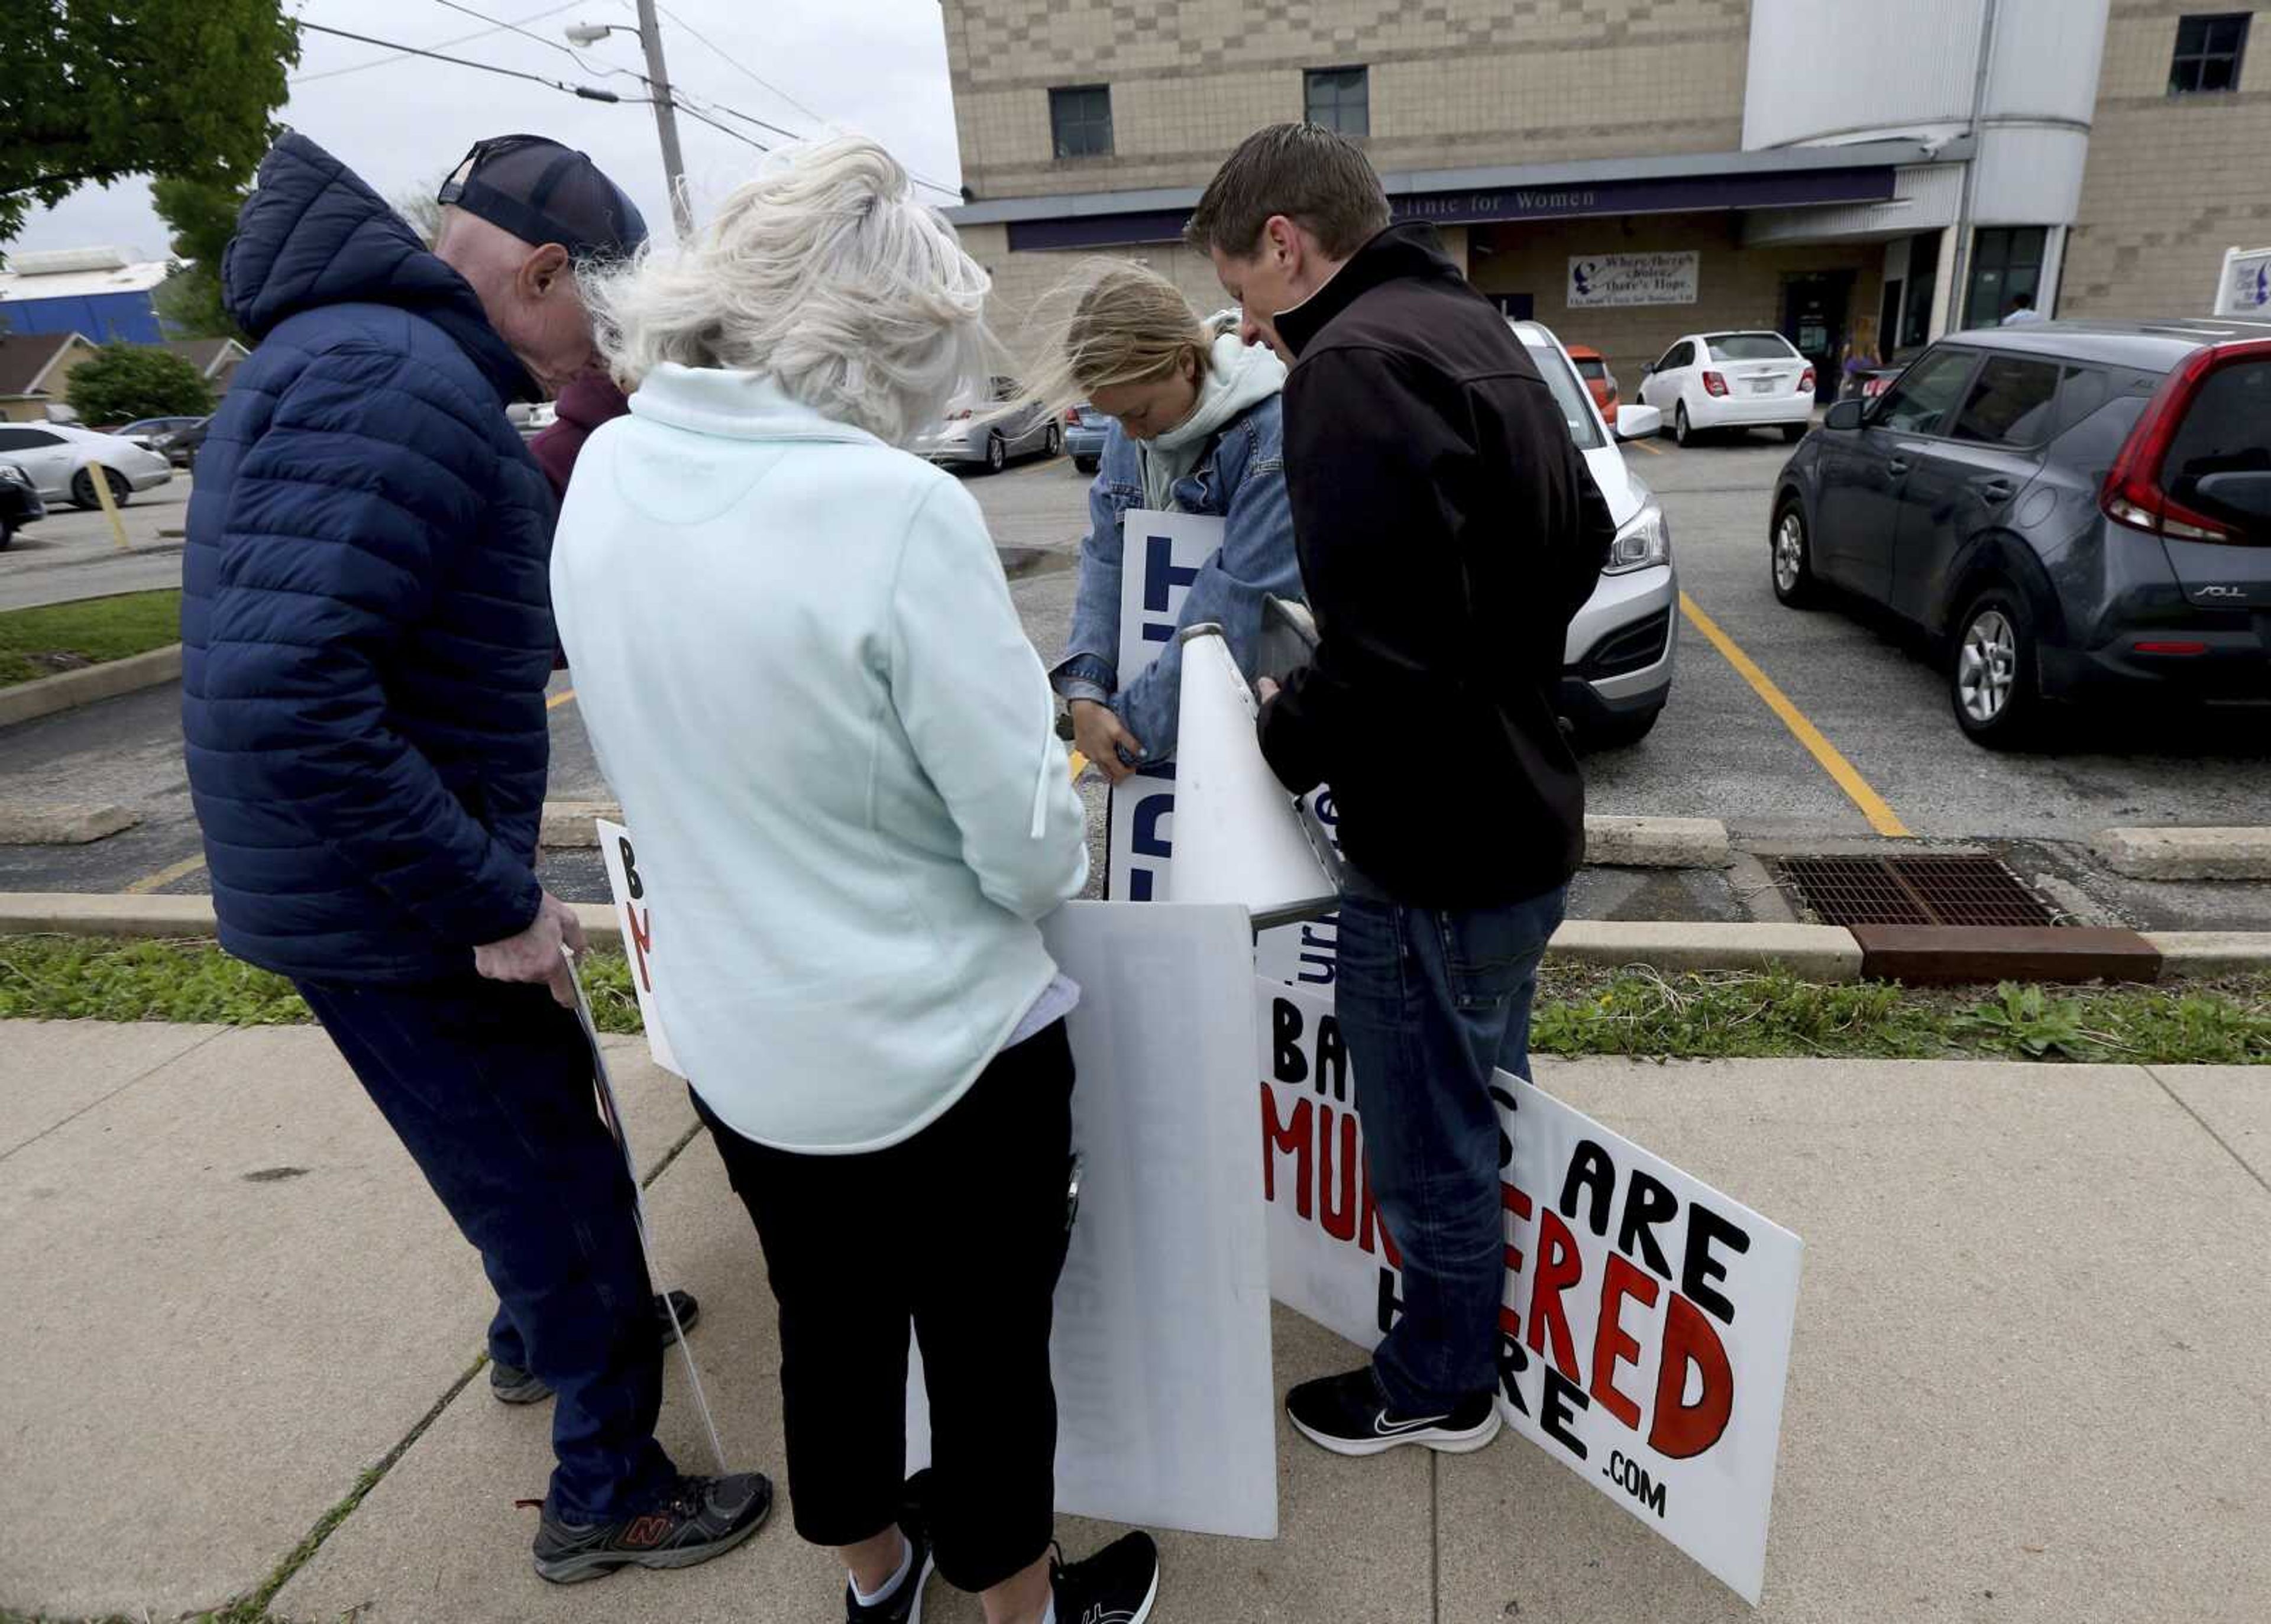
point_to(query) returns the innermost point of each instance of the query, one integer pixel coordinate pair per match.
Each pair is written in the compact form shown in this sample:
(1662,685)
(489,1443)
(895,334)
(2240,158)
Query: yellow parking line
(1856,788)
(1652,450)
(560,698)
(165,876)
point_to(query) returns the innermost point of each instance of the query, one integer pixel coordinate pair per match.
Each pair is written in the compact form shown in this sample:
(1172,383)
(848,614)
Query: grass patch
(67,636)
(1580,1012)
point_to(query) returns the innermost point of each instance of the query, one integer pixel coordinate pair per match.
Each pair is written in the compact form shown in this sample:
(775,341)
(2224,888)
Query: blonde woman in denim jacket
(1195,429)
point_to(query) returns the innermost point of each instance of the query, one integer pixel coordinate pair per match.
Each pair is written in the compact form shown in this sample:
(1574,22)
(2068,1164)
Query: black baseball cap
(542,192)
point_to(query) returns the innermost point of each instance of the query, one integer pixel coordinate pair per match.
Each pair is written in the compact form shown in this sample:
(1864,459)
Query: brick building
(1628,171)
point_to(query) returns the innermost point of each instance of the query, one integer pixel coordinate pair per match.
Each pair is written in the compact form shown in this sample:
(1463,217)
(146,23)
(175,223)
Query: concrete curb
(67,691)
(39,822)
(567,825)
(1815,952)
(2228,854)
(1656,843)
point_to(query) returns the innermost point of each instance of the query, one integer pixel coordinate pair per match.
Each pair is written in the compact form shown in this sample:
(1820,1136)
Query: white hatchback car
(59,458)
(1735,381)
(1616,664)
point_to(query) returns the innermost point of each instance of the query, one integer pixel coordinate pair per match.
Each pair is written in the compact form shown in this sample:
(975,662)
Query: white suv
(1732,380)
(1617,663)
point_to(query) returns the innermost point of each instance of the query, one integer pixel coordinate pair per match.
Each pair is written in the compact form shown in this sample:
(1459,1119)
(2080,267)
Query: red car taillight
(2132,494)
(1714,384)
(1805,382)
(1072,417)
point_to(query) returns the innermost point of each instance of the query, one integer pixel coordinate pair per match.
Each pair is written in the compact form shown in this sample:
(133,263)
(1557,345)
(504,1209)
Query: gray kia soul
(2072,511)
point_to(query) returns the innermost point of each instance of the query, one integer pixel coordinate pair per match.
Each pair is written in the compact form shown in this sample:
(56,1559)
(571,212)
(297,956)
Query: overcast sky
(877,67)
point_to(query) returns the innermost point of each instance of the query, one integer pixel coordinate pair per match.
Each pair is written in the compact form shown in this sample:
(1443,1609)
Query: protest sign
(1166,1408)
(635,911)
(1645,1325)
(1161,554)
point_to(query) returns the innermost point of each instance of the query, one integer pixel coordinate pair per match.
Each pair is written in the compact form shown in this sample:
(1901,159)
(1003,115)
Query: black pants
(962,1230)
(489,1086)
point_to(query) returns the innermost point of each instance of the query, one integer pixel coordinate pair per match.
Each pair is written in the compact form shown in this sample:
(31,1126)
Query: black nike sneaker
(1115,1586)
(700,1518)
(510,1384)
(1347,1415)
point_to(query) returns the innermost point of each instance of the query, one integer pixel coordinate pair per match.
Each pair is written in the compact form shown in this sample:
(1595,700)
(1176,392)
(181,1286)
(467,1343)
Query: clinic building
(1628,171)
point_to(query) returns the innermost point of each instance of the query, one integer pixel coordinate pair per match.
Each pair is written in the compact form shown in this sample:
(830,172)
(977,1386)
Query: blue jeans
(489,1086)
(1430,1003)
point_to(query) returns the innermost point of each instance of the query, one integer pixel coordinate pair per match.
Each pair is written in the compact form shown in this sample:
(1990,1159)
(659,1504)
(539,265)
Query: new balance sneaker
(1115,1586)
(700,1518)
(510,1384)
(903,1606)
(1347,1415)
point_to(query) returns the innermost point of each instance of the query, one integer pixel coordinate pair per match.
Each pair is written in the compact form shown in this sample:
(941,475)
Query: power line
(554,44)
(589,93)
(678,97)
(463,39)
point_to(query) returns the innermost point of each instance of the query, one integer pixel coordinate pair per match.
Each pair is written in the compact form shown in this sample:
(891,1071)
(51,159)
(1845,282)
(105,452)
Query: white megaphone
(1239,837)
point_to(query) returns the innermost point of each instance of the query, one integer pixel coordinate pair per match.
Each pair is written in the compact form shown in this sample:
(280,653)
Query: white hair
(825,275)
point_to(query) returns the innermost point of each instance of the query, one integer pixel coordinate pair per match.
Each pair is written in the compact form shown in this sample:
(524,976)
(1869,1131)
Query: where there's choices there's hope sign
(1645,1326)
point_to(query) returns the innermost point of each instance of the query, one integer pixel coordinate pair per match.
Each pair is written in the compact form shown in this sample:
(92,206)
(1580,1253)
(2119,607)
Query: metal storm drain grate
(1911,890)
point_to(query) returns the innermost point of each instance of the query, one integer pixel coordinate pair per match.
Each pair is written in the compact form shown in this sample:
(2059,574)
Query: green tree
(127,381)
(203,215)
(96,89)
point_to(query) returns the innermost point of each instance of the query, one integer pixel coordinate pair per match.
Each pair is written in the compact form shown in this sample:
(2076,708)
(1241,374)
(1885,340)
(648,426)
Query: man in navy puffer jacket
(368,631)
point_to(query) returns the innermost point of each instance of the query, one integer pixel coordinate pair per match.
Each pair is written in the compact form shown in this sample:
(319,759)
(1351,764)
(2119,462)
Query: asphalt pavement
(72,554)
(1876,701)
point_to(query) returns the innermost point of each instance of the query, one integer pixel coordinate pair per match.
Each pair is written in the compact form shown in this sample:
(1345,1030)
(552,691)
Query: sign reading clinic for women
(1161,554)
(1633,278)
(1645,1325)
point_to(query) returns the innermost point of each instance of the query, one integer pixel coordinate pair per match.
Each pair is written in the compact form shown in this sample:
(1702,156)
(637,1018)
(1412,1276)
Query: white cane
(612,1114)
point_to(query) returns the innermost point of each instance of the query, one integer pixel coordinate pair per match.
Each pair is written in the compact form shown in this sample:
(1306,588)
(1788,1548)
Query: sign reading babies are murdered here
(1645,1325)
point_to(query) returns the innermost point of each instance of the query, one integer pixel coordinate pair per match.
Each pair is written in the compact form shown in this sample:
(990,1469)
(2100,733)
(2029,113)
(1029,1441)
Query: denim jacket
(1241,478)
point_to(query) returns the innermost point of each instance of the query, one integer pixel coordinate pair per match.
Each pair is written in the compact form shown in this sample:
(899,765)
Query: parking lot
(1880,756)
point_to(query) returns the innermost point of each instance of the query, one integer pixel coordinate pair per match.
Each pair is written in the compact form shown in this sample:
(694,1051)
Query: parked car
(60,459)
(180,447)
(1617,661)
(2072,511)
(1738,381)
(148,430)
(1593,367)
(19,503)
(1086,429)
(988,433)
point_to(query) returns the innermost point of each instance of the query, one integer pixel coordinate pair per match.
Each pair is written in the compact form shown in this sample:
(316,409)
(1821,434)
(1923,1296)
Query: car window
(1750,346)
(1569,394)
(1589,367)
(1926,393)
(19,439)
(2013,401)
(2227,431)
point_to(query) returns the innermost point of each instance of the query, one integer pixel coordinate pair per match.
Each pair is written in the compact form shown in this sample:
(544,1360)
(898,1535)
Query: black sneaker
(1347,1415)
(700,1518)
(1115,1586)
(510,1384)
(903,1606)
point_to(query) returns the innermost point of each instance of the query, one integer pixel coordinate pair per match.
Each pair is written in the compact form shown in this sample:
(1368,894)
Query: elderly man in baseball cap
(368,636)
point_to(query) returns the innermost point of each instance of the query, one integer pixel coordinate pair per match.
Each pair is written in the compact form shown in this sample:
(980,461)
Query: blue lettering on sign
(1148,841)
(1320,943)
(1161,576)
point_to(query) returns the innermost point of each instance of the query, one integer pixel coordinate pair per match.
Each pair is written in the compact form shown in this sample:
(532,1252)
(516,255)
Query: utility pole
(1960,272)
(666,119)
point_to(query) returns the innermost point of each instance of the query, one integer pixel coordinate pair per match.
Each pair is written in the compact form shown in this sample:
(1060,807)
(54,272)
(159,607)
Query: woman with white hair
(797,658)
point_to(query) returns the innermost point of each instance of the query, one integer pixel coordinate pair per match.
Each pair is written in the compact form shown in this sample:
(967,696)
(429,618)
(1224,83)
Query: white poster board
(1166,1414)
(1645,1326)
(2243,287)
(1597,280)
(1161,554)
(635,912)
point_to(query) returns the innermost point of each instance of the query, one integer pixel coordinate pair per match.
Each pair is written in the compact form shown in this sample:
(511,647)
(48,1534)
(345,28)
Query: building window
(1339,99)
(2006,262)
(2209,50)
(1080,119)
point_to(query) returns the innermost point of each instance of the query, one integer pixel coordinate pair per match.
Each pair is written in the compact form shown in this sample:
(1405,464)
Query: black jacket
(1448,530)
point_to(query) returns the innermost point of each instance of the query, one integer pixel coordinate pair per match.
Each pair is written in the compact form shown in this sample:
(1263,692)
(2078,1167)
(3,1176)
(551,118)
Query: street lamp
(665,110)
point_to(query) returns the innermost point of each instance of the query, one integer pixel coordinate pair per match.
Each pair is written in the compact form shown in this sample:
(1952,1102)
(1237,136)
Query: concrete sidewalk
(2028,1379)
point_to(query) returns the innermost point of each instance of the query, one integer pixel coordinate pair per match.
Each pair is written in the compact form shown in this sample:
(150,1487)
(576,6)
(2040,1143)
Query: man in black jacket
(1447,531)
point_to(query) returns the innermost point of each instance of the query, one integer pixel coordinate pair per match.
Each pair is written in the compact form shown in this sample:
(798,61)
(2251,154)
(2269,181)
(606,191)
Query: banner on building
(1633,278)
(1161,554)
(1645,1324)
(635,912)
(2243,287)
